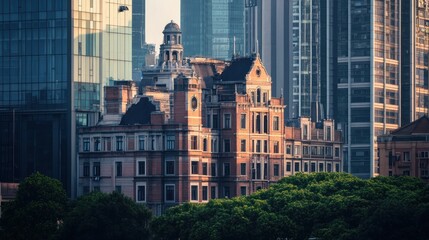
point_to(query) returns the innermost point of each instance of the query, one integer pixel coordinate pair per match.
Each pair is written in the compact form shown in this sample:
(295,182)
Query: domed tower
(171,51)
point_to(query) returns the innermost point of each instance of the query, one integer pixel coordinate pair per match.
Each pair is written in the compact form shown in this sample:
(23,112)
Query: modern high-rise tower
(56,56)
(368,78)
(139,45)
(213,28)
(294,39)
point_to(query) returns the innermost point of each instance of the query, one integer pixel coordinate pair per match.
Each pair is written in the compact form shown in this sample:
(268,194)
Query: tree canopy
(320,205)
(36,212)
(106,216)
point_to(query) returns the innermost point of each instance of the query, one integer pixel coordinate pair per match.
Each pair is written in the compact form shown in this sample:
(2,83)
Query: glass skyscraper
(140,48)
(209,27)
(367,78)
(56,56)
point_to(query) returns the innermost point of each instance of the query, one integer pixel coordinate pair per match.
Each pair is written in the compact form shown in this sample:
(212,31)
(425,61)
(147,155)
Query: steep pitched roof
(420,126)
(238,69)
(139,113)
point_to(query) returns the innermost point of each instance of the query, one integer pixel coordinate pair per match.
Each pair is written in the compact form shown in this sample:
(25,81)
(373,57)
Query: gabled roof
(238,69)
(420,126)
(139,113)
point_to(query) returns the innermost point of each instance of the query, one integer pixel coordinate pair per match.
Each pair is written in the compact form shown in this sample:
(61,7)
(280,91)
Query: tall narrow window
(226,169)
(141,142)
(243,145)
(328,133)
(215,121)
(141,193)
(227,145)
(118,169)
(86,169)
(265,123)
(276,147)
(169,193)
(276,170)
(194,167)
(205,193)
(85,146)
(276,123)
(243,121)
(169,167)
(194,142)
(171,141)
(258,95)
(119,143)
(194,193)
(97,144)
(205,168)
(213,192)
(213,169)
(243,190)
(96,169)
(141,168)
(205,144)
(242,169)
(227,120)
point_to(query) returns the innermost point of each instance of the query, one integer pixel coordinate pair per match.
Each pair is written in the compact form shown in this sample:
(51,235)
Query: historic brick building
(405,151)
(201,138)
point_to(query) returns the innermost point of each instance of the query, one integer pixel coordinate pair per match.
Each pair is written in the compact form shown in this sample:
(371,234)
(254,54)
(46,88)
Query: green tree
(36,212)
(320,205)
(106,216)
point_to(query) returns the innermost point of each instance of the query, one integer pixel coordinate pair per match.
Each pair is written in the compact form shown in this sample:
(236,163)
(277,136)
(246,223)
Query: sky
(158,14)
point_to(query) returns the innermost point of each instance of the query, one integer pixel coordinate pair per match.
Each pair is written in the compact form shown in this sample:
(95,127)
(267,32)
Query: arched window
(168,38)
(175,56)
(167,55)
(179,39)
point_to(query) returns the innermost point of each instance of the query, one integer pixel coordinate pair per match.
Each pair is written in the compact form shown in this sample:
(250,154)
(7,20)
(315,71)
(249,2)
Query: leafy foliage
(320,205)
(106,216)
(39,206)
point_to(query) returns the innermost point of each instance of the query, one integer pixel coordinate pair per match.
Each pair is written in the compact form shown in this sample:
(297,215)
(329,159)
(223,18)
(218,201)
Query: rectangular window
(243,145)
(329,167)
(169,167)
(213,192)
(171,142)
(243,121)
(213,169)
(194,167)
(276,123)
(337,167)
(297,167)
(205,144)
(288,166)
(226,192)
(96,169)
(118,169)
(141,142)
(276,170)
(328,133)
(97,144)
(265,146)
(258,145)
(305,132)
(214,145)
(215,121)
(312,167)
(119,143)
(288,149)
(321,167)
(85,146)
(194,143)
(306,167)
(226,145)
(407,156)
(169,193)
(152,143)
(337,152)
(86,169)
(276,147)
(227,120)
(141,168)
(226,169)
(194,193)
(205,168)
(243,190)
(118,189)
(242,168)
(141,193)
(205,193)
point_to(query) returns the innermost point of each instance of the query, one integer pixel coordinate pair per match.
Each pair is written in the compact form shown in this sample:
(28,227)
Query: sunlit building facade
(56,56)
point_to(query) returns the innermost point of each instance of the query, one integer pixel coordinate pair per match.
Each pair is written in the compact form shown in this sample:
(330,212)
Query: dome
(172,27)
